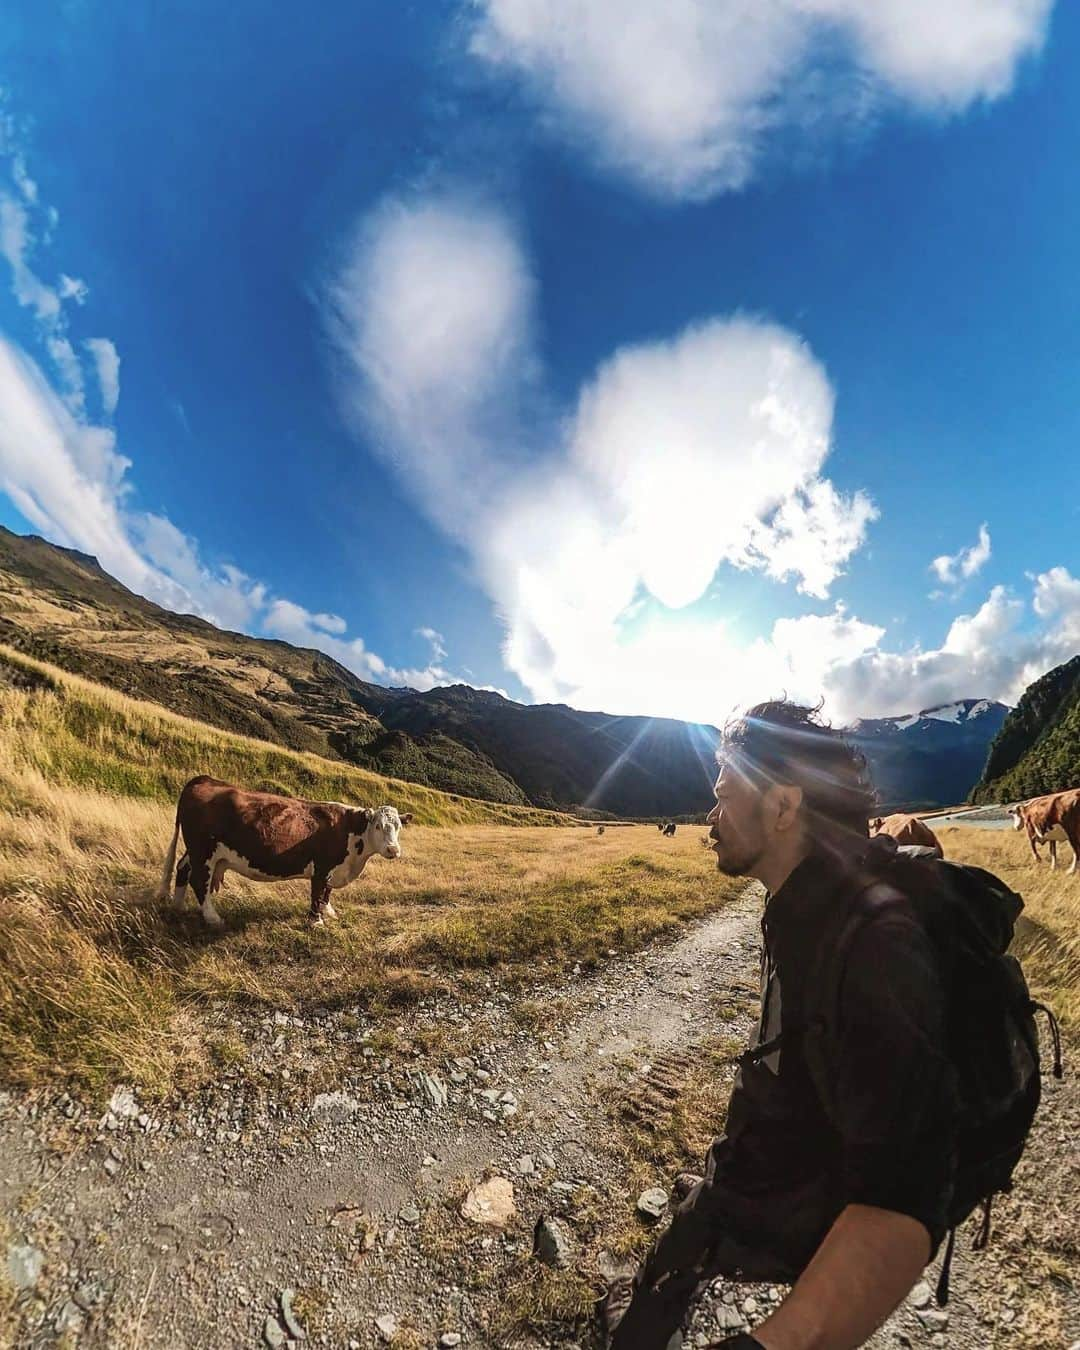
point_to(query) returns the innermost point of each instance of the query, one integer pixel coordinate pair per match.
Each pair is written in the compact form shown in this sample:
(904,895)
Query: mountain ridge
(61,606)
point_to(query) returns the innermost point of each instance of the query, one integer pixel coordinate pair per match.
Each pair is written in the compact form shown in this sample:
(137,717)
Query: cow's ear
(406,818)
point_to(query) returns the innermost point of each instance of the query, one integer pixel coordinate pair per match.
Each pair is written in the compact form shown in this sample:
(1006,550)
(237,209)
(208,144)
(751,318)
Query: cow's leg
(328,909)
(1053,855)
(1031,841)
(183,877)
(320,900)
(220,869)
(200,884)
(1074,842)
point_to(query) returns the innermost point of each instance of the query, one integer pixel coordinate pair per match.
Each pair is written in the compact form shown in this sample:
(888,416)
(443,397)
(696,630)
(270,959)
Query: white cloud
(107,362)
(285,619)
(69,370)
(16,241)
(67,478)
(65,475)
(951,569)
(71,288)
(438,642)
(433,306)
(995,652)
(22,179)
(680,456)
(684,96)
(1057,602)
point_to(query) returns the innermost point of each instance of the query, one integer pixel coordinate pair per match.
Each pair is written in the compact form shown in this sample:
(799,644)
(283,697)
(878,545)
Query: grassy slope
(98,981)
(57,605)
(81,735)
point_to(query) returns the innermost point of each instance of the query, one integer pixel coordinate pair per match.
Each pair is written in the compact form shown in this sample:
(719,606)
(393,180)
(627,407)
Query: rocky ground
(349,1184)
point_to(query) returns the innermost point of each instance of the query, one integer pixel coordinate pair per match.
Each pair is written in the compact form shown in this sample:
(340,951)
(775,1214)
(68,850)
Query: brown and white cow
(907,830)
(1052,819)
(269,838)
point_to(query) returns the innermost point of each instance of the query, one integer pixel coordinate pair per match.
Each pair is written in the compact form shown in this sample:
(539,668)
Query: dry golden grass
(97,979)
(83,735)
(1048,933)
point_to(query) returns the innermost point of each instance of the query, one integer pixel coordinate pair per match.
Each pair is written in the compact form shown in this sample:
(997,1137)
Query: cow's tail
(169,865)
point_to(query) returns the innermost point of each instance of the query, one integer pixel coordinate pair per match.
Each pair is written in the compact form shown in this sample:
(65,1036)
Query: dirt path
(182,1226)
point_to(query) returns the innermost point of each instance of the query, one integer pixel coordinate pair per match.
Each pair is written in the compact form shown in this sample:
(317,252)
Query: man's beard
(738,858)
(740,864)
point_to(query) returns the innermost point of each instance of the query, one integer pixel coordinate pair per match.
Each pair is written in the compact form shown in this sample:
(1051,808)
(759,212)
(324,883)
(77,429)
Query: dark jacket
(855,1104)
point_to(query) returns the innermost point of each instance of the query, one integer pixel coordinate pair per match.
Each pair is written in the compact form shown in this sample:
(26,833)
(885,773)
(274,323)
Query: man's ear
(788,801)
(406,818)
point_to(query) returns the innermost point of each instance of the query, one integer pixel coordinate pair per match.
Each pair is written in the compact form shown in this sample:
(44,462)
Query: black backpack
(993,1042)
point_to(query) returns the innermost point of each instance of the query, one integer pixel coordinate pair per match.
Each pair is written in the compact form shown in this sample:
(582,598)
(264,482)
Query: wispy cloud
(438,647)
(952,569)
(16,242)
(65,474)
(685,97)
(107,362)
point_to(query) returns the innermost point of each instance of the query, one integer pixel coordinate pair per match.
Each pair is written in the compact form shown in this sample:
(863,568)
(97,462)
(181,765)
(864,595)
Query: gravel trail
(328,1166)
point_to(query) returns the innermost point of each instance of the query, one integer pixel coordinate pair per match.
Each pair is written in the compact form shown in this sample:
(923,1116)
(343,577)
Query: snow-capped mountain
(969,710)
(929,758)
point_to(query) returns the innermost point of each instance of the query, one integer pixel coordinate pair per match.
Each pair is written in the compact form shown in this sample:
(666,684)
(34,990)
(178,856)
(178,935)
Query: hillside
(72,734)
(929,758)
(1037,749)
(60,606)
(636,766)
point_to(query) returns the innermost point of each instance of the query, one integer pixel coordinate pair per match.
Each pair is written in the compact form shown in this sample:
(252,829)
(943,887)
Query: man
(846,1197)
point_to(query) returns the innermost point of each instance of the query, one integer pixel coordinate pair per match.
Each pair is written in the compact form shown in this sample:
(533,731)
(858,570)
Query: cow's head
(1017,817)
(876,824)
(380,833)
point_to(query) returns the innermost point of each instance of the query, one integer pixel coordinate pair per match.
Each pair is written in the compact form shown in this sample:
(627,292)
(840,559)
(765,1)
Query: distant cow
(669,829)
(907,830)
(599,829)
(1051,820)
(269,838)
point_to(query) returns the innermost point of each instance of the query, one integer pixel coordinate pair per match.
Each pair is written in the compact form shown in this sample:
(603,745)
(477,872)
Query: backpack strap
(867,896)
(1055,1036)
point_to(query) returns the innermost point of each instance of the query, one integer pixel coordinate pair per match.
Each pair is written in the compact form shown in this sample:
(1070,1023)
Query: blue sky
(638,357)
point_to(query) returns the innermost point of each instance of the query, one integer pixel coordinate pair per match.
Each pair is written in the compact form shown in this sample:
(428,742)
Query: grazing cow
(907,830)
(669,829)
(599,829)
(1051,820)
(270,838)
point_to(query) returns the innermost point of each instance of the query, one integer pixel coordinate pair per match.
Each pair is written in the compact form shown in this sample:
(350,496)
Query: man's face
(737,828)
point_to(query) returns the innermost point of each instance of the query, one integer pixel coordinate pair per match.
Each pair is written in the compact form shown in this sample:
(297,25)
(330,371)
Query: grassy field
(1048,932)
(99,981)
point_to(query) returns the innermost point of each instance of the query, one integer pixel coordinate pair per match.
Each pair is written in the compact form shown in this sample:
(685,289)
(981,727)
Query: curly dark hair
(784,742)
